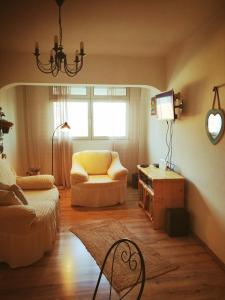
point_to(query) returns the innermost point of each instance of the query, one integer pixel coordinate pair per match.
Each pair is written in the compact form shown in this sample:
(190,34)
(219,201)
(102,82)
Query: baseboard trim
(210,252)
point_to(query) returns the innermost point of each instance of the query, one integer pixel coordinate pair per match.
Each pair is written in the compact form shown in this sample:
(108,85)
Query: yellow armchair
(97,178)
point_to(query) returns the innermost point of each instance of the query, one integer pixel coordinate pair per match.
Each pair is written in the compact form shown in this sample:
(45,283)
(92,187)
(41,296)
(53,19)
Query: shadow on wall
(194,47)
(191,95)
(207,220)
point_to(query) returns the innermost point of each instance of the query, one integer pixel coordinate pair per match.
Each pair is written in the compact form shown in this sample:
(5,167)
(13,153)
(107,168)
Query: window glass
(109,119)
(77,117)
(110,91)
(78,90)
(120,91)
(100,91)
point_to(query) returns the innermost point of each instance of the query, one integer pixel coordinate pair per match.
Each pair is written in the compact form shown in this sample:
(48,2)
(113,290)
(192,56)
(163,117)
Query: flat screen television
(165,105)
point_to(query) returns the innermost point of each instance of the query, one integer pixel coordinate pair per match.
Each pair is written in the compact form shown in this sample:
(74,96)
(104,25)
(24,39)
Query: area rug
(98,237)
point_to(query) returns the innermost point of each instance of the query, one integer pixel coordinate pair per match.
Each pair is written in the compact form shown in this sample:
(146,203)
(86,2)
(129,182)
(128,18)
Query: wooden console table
(159,190)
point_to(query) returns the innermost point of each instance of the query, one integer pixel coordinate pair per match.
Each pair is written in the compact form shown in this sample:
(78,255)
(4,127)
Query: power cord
(169,143)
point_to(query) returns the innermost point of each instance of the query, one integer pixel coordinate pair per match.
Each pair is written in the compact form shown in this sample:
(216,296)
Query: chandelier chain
(60,27)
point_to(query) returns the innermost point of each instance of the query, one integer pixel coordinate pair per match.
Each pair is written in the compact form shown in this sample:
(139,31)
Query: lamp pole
(64,125)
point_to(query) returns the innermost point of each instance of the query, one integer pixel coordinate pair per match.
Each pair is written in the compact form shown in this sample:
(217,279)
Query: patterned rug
(98,237)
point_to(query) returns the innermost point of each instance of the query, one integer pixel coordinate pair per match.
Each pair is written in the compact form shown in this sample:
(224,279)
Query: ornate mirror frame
(215,112)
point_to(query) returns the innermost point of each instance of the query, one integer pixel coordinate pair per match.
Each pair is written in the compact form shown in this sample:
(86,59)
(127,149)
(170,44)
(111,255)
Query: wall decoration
(4,128)
(214,122)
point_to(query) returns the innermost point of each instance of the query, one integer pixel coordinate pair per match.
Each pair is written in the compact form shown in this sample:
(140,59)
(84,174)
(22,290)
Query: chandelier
(58,59)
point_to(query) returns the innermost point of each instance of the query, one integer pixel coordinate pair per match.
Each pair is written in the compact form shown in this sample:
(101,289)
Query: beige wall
(11,103)
(193,69)
(21,68)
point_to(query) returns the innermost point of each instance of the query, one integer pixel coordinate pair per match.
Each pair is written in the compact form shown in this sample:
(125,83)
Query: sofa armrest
(116,170)
(78,173)
(37,182)
(16,218)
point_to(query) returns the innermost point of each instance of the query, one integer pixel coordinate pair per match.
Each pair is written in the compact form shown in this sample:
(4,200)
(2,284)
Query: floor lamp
(63,126)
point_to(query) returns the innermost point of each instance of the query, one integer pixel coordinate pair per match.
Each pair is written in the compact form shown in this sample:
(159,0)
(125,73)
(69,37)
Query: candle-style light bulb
(82,45)
(81,48)
(56,42)
(36,49)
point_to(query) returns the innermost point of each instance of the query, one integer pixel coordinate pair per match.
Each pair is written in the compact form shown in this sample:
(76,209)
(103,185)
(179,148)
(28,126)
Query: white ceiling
(110,27)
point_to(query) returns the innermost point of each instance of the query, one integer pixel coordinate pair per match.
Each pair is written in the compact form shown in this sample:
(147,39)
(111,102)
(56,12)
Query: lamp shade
(65,126)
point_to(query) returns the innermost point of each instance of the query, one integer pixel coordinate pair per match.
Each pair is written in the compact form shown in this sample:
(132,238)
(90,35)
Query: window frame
(109,96)
(90,98)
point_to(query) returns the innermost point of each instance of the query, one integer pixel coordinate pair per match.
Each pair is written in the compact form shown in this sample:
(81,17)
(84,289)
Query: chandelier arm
(69,72)
(42,67)
(54,69)
(54,74)
(46,68)
(77,66)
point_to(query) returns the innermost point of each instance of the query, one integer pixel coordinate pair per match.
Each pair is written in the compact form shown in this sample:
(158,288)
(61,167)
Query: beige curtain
(133,151)
(37,119)
(62,143)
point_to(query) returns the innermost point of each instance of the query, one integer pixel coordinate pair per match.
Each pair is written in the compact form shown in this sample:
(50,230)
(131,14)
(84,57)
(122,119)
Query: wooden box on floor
(177,222)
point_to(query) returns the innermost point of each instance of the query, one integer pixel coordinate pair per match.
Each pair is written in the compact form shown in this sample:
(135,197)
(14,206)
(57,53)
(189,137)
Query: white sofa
(28,231)
(97,178)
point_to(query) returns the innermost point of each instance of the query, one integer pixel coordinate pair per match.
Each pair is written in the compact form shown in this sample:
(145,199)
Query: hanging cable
(171,144)
(167,142)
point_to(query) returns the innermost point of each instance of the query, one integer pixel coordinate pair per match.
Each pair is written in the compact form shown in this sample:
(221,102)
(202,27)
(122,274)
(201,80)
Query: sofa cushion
(19,193)
(34,196)
(94,162)
(8,198)
(16,189)
(37,182)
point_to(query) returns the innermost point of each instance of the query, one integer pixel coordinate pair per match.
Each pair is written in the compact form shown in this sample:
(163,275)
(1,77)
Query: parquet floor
(69,272)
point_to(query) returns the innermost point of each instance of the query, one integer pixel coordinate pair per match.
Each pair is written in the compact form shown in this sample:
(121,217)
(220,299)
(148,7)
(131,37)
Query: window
(109,119)
(79,90)
(110,91)
(77,117)
(100,116)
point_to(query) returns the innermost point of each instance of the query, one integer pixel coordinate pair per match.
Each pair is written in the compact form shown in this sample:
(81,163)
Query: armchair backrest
(95,162)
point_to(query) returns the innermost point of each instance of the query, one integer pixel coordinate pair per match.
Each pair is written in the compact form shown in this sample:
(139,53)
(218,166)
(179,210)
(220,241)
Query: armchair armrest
(16,218)
(116,170)
(78,173)
(37,182)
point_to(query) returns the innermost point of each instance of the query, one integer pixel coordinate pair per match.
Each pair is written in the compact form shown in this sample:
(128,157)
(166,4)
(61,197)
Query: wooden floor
(69,272)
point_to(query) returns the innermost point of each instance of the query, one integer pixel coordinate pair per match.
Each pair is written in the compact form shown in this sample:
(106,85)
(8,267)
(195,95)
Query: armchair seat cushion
(99,179)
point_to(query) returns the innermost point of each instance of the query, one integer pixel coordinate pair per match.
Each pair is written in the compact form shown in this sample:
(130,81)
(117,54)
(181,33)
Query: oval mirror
(214,124)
